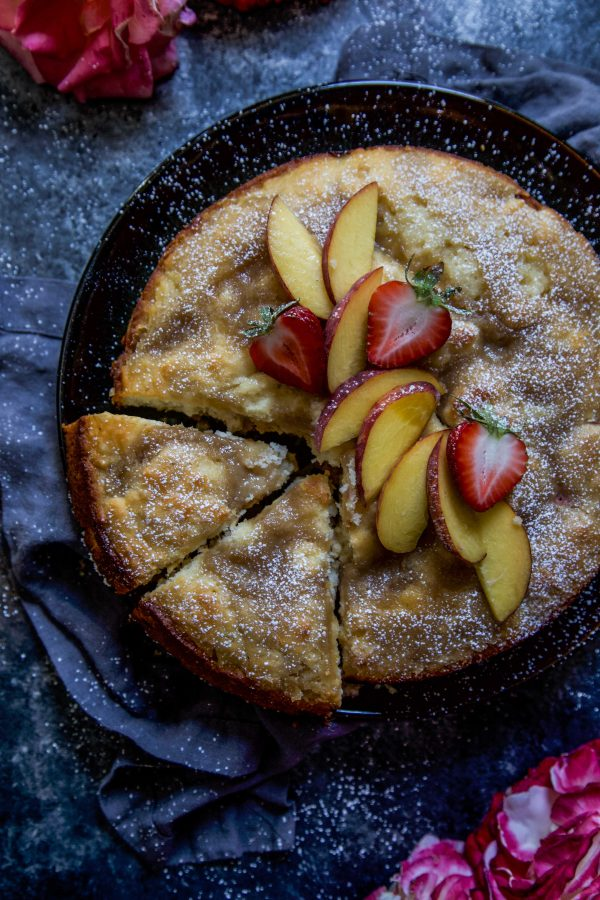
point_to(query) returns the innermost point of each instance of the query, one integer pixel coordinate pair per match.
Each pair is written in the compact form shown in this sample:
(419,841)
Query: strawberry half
(409,321)
(289,346)
(485,458)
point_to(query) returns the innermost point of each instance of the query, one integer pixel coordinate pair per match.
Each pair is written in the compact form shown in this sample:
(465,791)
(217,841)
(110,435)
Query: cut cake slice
(254,613)
(147,494)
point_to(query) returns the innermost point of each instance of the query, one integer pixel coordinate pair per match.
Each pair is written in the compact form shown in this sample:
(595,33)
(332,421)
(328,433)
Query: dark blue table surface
(363,801)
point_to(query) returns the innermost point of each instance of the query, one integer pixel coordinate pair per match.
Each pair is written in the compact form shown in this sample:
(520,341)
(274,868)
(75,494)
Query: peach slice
(402,510)
(505,570)
(346,331)
(456,524)
(348,249)
(342,417)
(389,430)
(296,259)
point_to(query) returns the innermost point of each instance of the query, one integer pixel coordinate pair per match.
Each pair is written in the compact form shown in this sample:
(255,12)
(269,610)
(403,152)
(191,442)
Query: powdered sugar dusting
(259,604)
(158,491)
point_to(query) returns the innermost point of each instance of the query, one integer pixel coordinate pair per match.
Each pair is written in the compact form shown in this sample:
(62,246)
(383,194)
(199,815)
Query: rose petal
(585,860)
(454,887)
(94,15)
(188,17)
(144,21)
(381,893)
(134,81)
(151,17)
(8,14)
(21,54)
(571,806)
(484,875)
(577,770)
(525,821)
(164,62)
(50,27)
(246,5)
(561,852)
(38,42)
(477,842)
(45,38)
(428,840)
(539,775)
(100,48)
(430,864)
(101,56)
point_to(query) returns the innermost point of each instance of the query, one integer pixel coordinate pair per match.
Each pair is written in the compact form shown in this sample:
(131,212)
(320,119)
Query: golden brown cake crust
(85,499)
(160,627)
(147,494)
(254,614)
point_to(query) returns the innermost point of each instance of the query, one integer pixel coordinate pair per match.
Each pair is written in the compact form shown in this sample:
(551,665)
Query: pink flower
(95,48)
(542,838)
(435,870)
(380,893)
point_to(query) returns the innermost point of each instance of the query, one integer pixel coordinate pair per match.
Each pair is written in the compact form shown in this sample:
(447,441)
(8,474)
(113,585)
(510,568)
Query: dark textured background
(363,801)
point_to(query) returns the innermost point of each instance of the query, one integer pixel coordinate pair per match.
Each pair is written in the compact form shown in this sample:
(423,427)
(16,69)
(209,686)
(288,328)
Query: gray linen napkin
(207,774)
(562,97)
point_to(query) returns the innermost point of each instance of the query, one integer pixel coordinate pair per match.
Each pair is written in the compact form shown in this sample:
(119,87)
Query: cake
(147,493)
(523,340)
(256,610)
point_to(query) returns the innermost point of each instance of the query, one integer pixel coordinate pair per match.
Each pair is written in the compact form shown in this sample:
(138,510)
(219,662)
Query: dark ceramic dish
(329,118)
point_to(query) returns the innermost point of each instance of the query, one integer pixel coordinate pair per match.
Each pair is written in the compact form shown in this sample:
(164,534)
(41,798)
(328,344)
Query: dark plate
(335,118)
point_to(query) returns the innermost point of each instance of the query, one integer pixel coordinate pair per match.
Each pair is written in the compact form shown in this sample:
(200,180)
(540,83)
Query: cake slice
(254,613)
(147,494)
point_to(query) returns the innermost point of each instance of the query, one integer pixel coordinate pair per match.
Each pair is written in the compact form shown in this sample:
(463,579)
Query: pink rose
(95,48)
(435,870)
(542,838)
(381,893)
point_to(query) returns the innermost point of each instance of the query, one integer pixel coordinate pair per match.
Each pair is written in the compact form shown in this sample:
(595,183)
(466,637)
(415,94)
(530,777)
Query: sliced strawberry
(288,345)
(408,321)
(485,458)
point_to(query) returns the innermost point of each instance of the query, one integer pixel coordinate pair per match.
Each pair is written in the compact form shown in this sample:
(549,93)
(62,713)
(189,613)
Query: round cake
(253,580)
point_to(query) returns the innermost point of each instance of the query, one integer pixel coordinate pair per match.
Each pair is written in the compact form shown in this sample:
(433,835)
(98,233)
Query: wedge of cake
(147,494)
(254,613)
